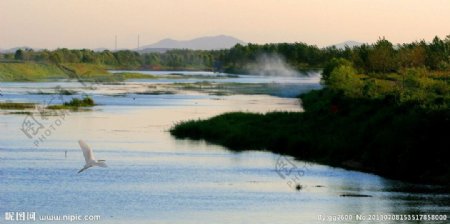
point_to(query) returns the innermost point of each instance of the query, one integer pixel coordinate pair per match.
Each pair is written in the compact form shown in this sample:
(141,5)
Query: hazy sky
(94,23)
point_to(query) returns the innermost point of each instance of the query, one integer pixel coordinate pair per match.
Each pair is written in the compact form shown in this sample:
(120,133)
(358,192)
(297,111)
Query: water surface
(155,178)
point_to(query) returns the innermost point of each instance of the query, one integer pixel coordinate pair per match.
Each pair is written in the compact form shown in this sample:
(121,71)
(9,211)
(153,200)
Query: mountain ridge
(348,43)
(199,43)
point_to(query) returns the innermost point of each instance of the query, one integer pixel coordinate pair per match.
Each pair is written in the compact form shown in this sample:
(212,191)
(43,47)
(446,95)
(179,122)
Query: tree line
(380,57)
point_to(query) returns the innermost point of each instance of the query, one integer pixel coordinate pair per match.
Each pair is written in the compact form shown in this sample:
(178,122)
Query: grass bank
(34,72)
(29,71)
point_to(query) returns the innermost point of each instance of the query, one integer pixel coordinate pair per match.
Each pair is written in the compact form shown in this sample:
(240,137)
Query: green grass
(34,72)
(16,106)
(89,73)
(29,71)
(133,75)
(85,70)
(74,104)
(21,112)
(66,92)
(156,92)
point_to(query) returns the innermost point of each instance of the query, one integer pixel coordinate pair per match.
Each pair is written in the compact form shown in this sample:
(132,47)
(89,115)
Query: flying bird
(89,157)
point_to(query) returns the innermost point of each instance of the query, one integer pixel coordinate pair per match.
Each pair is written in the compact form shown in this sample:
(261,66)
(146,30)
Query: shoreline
(390,142)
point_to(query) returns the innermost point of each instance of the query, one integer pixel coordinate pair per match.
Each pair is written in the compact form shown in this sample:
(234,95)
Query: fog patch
(271,65)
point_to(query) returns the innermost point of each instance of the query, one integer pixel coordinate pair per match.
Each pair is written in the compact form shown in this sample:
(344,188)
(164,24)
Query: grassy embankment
(16,72)
(33,72)
(395,125)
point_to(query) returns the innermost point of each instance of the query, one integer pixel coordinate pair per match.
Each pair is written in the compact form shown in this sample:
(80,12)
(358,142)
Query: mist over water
(272,65)
(284,80)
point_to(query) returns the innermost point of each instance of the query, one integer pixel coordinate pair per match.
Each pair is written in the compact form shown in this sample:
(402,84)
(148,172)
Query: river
(154,178)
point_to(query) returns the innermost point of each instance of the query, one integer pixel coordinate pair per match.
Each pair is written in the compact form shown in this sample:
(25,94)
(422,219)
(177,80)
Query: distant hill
(13,50)
(153,50)
(100,49)
(349,43)
(201,43)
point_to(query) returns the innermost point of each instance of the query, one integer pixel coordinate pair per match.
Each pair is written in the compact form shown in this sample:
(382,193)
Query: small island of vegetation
(16,106)
(74,104)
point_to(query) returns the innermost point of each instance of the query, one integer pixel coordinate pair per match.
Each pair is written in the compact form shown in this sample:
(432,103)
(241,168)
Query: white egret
(89,157)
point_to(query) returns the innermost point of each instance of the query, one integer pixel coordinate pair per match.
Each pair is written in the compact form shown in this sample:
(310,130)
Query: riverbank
(394,125)
(399,142)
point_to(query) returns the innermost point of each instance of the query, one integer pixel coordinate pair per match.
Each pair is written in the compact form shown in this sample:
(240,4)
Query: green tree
(437,53)
(382,57)
(343,78)
(19,54)
(412,55)
(333,64)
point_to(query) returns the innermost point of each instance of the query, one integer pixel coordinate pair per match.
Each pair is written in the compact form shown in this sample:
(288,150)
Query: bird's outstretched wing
(87,151)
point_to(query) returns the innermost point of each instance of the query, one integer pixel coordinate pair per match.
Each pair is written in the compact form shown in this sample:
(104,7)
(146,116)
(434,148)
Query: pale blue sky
(94,23)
